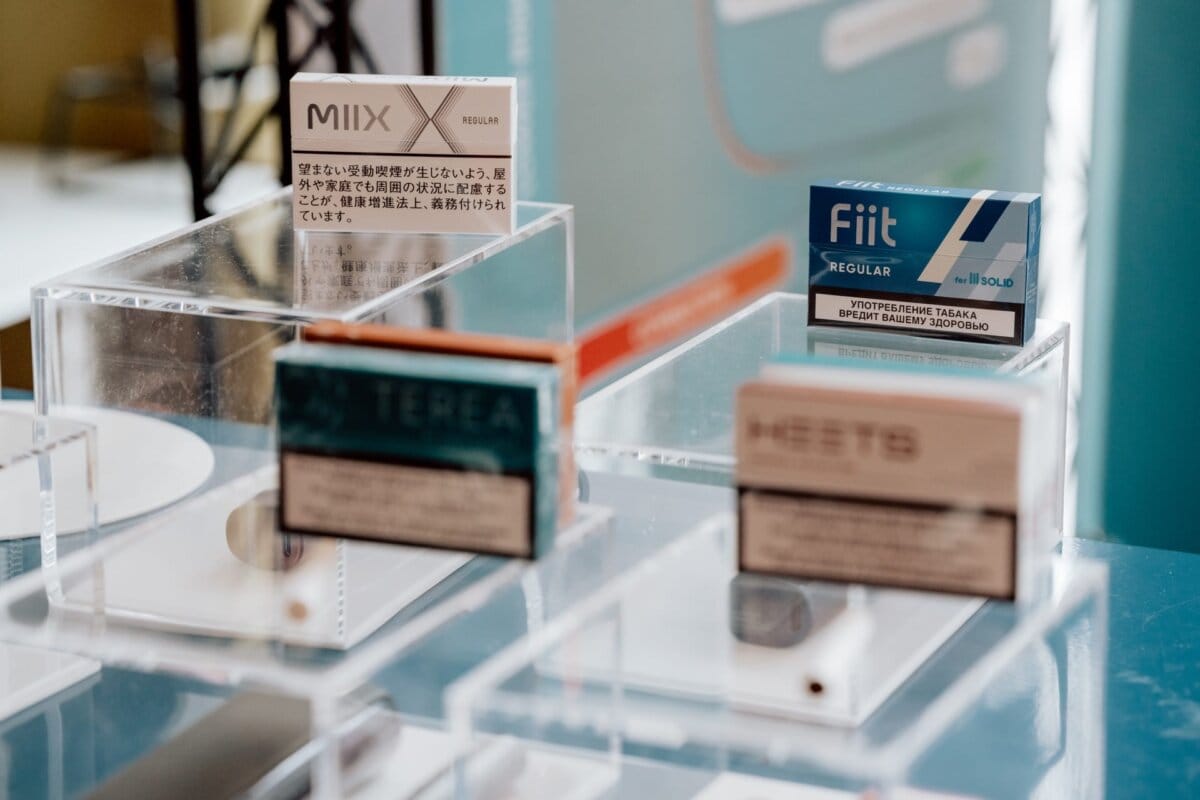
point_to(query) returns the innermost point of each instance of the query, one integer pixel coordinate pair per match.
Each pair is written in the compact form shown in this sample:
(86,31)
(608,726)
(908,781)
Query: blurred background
(686,134)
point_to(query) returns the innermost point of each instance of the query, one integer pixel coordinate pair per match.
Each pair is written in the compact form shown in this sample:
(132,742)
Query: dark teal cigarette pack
(420,449)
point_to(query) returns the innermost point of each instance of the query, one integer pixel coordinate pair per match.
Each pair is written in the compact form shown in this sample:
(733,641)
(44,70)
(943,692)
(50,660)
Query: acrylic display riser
(167,348)
(646,682)
(170,596)
(674,416)
(608,666)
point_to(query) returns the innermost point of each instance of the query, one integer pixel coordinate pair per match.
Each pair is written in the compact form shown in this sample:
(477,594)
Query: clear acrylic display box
(47,475)
(170,595)
(174,339)
(673,417)
(47,468)
(646,681)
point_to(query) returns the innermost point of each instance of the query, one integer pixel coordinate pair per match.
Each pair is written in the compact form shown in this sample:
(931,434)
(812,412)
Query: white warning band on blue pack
(940,318)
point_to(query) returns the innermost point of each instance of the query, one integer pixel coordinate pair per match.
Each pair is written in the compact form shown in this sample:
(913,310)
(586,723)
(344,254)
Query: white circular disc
(143,464)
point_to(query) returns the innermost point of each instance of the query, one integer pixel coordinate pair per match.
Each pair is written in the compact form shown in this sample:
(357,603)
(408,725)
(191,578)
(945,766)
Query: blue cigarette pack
(951,263)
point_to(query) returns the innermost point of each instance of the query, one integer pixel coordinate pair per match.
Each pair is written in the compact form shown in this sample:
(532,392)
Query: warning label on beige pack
(963,551)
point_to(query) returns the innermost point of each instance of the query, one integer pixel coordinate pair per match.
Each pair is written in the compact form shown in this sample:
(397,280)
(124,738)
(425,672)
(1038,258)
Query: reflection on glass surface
(63,745)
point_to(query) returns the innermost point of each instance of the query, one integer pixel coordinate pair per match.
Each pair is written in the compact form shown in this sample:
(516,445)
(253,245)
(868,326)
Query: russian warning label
(909,315)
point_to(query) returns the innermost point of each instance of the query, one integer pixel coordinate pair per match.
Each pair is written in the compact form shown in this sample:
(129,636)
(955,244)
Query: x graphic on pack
(424,119)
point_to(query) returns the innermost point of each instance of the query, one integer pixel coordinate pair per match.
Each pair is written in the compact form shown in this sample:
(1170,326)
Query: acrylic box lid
(250,263)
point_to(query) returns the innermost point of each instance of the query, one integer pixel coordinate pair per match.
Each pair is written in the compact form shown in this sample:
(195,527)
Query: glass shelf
(48,722)
(211,589)
(648,677)
(168,595)
(502,669)
(673,417)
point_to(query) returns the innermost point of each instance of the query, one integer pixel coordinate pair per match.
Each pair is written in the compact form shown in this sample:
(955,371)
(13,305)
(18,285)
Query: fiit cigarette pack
(420,449)
(954,263)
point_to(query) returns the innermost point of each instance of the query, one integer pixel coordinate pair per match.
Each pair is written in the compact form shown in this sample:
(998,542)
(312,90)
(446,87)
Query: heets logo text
(835,437)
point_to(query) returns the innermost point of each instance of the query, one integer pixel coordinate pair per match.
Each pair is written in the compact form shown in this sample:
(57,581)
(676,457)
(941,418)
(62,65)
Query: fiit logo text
(875,218)
(347,117)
